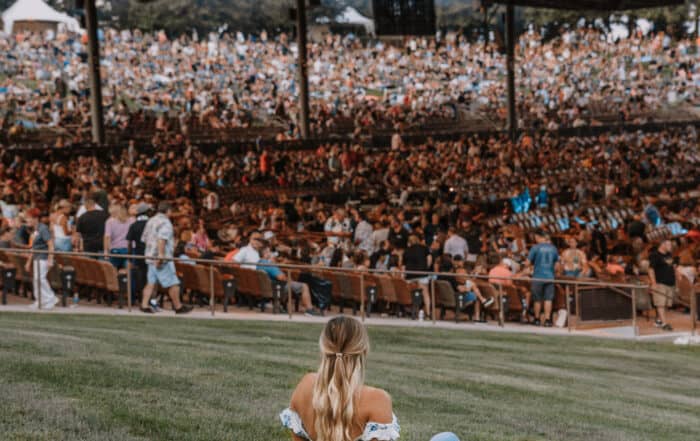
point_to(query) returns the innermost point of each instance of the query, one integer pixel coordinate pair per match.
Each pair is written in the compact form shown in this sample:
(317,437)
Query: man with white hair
(249,255)
(337,225)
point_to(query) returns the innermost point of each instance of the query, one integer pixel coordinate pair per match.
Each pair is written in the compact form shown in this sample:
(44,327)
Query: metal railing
(568,284)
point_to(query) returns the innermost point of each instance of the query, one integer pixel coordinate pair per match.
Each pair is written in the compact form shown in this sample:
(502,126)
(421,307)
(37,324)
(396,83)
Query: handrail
(418,274)
(618,287)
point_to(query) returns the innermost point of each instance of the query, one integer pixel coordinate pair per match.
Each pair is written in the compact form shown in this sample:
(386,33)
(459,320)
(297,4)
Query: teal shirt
(543,257)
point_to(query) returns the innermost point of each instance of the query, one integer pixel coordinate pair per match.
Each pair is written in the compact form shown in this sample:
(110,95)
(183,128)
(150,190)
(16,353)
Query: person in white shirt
(380,234)
(337,224)
(363,233)
(249,256)
(455,245)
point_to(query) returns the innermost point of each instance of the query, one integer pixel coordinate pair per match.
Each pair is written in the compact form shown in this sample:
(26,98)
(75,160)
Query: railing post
(362,296)
(578,302)
(212,304)
(36,279)
(567,289)
(501,313)
(694,312)
(128,284)
(432,299)
(289,293)
(8,283)
(634,312)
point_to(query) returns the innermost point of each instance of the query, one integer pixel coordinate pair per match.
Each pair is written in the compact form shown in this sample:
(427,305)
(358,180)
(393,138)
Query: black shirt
(662,264)
(134,235)
(91,226)
(57,187)
(636,229)
(399,239)
(415,258)
(431,231)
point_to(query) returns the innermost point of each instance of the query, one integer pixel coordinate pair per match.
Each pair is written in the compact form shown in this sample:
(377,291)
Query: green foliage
(177,16)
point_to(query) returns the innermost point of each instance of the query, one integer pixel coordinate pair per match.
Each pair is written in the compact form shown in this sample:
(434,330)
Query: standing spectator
(61,228)
(116,230)
(662,277)
(543,257)
(159,237)
(135,246)
(363,232)
(41,262)
(417,258)
(432,229)
(91,228)
(455,245)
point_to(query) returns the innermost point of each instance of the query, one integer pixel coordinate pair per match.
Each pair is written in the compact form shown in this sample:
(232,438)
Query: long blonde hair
(344,346)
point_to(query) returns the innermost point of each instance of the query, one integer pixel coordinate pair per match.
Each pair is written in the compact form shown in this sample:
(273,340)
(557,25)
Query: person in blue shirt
(543,257)
(652,214)
(542,198)
(275,274)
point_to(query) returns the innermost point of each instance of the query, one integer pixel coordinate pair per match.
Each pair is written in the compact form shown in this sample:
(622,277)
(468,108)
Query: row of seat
(94,274)
(254,286)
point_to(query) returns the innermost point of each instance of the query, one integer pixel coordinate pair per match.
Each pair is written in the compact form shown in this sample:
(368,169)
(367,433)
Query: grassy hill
(77,377)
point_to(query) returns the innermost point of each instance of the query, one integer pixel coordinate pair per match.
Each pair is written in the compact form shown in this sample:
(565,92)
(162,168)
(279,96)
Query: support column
(301,70)
(510,49)
(98,130)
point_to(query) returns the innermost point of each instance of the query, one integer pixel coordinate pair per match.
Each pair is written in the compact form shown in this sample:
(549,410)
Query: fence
(584,298)
(378,141)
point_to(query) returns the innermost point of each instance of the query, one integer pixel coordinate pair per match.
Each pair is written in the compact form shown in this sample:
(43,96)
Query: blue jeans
(63,244)
(574,273)
(118,262)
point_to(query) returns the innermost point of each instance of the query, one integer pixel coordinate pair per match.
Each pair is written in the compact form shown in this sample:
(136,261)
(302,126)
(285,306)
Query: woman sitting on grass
(334,404)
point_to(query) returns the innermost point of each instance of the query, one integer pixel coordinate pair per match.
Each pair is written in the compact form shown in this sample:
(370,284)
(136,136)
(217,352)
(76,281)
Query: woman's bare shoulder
(376,405)
(304,389)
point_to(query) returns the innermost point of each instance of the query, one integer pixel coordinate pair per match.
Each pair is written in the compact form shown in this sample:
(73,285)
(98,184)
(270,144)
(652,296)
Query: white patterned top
(380,432)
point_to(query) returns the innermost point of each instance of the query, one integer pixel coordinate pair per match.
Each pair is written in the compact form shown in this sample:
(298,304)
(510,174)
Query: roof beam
(601,5)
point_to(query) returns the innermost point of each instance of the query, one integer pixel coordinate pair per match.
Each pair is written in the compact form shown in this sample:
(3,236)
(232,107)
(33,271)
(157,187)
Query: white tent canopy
(36,10)
(352,16)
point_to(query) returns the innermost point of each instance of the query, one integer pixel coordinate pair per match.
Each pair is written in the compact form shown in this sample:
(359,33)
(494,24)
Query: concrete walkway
(621,332)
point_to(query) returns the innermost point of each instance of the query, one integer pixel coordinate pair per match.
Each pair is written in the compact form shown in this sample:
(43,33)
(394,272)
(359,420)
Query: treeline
(178,16)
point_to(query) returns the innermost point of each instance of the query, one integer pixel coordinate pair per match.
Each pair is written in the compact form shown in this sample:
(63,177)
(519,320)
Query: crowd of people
(234,81)
(438,206)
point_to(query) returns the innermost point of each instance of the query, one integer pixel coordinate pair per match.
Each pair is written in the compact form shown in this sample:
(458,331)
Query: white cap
(267,235)
(509,263)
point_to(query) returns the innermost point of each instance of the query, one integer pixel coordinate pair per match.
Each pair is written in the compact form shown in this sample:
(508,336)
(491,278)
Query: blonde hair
(344,346)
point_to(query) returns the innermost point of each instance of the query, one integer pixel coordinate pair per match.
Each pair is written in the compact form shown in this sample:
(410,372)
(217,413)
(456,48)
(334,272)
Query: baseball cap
(142,208)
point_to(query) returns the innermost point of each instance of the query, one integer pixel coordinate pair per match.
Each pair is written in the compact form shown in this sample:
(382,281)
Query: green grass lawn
(66,377)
